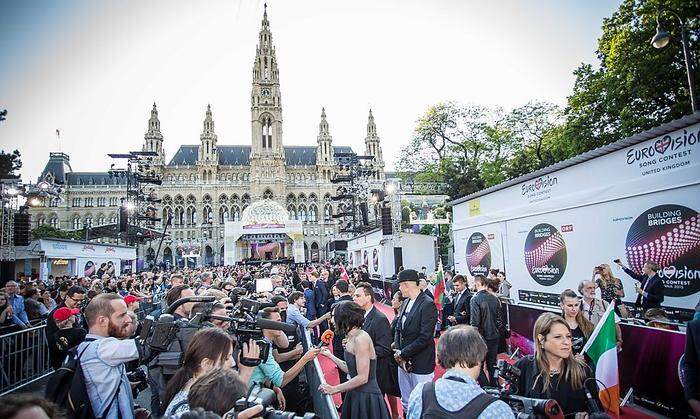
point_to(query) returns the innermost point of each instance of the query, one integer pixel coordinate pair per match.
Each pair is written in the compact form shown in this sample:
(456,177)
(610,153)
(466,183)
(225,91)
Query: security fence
(24,358)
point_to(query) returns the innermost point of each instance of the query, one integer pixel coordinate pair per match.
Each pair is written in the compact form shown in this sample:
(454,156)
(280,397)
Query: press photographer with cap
(414,346)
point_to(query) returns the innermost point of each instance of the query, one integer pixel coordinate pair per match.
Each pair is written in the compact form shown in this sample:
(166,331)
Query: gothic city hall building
(209,184)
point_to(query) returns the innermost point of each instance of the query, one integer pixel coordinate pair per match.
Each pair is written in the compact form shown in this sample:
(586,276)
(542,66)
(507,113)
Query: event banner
(480,249)
(555,251)
(650,361)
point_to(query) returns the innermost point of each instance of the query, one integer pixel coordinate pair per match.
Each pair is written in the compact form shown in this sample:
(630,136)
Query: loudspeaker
(22,232)
(363,211)
(398,258)
(123,220)
(387,228)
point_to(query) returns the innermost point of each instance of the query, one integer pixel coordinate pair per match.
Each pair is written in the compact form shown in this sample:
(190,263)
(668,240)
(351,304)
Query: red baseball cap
(64,313)
(131,299)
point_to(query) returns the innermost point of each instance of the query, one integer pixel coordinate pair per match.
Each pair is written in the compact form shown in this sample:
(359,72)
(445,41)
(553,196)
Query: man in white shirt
(103,355)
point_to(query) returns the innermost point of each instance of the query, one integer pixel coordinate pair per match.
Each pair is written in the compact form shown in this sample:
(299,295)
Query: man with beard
(103,354)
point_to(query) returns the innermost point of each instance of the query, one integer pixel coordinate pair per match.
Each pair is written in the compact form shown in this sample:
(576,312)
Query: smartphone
(616,260)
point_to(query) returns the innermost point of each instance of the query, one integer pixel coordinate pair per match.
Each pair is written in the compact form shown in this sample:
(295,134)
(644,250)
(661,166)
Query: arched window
(292,212)
(267,194)
(54,222)
(266,132)
(328,212)
(313,213)
(302,213)
(223,214)
(235,213)
(88,222)
(207,215)
(77,224)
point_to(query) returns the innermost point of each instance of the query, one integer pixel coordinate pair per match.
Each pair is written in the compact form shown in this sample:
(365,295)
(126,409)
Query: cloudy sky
(93,68)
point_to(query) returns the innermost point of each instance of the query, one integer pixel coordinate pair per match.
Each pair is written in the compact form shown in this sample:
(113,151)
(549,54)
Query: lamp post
(663,38)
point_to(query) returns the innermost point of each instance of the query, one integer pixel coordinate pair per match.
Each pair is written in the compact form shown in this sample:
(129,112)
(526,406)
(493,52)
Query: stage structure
(265,232)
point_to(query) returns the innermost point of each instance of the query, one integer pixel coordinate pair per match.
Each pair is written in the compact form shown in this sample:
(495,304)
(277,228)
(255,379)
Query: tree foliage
(9,164)
(48,232)
(634,87)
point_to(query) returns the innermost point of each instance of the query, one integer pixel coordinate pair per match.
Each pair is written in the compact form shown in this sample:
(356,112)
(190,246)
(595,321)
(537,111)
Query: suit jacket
(338,337)
(415,336)
(462,308)
(377,327)
(654,287)
(692,361)
(320,296)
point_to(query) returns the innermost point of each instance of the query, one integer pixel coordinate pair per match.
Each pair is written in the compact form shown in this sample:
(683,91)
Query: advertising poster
(479,250)
(89,269)
(365,258)
(552,252)
(375,260)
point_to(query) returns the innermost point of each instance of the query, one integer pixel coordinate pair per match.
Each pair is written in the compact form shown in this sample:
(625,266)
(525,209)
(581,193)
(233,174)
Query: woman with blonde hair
(553,372)
(610,286)
(581,327)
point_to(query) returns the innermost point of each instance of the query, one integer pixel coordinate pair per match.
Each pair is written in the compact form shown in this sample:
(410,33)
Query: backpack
(66,387)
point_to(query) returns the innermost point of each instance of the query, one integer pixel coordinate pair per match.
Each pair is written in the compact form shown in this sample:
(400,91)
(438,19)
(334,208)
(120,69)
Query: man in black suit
(691,366)
(461,300)
(320,294)
(651,291)
(378,328)
(484,309)
(342,286)
(414,345)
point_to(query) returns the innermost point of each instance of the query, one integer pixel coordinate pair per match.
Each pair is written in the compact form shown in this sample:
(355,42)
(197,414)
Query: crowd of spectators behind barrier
(109,309)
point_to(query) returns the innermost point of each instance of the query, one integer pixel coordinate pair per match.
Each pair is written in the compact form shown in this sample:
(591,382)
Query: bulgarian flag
(439,287)
(602,349)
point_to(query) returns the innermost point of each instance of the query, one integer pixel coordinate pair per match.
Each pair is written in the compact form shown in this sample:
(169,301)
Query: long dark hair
(347,316)
(210,343)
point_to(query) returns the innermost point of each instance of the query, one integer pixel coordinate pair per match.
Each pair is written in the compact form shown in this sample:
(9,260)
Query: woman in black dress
(363,398)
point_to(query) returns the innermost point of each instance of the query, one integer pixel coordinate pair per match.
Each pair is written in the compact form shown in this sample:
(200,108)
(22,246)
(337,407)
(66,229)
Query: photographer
(217,391)
(211,309)
(210,348)
(103,354)
(651,290)
(553,372)
(270,369)
(461,351)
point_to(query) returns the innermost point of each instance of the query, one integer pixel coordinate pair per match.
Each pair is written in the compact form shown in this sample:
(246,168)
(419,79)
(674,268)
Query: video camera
(158,336)
(267,398)
(522,407)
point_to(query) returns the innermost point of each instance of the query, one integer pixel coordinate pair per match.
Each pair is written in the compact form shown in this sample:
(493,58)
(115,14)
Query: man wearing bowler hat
(414,346)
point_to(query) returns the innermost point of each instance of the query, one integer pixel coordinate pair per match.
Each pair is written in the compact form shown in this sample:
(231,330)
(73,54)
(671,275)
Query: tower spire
(153,139)
(207,148)
(373,148)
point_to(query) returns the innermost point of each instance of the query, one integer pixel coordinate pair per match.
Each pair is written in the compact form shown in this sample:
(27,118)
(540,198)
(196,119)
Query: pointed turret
(207,148)
(373,148)
(324,151)
(153,139)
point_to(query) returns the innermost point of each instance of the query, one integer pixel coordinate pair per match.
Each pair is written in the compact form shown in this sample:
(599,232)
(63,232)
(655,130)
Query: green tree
(635,87)
(9,164)
(47,232)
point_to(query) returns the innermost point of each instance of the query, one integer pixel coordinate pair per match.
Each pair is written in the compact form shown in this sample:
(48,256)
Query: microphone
(326,338)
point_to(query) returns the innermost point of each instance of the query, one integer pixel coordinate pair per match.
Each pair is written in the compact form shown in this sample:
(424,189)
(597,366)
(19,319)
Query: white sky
(93,68)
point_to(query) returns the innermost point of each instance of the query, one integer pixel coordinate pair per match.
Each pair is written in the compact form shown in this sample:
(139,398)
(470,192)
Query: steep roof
(58,165)
(239,155)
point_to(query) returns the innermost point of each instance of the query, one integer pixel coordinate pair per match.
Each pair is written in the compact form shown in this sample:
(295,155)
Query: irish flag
(602,349)
(439,287)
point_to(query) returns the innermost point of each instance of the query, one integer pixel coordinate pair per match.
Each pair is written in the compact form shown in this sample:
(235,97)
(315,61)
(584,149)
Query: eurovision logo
(545,254)
(657,150)
(375,260)
(542,182)
(478,254)
(670,236)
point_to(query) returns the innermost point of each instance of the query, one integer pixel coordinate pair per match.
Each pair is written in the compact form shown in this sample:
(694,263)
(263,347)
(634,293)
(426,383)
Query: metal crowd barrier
(24,358)
(324,407)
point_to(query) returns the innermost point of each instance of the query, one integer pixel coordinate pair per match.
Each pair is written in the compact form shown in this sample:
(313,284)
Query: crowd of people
(381,364)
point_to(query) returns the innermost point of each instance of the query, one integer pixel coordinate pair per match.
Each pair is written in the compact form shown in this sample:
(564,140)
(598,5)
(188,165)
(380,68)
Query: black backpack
(66,387)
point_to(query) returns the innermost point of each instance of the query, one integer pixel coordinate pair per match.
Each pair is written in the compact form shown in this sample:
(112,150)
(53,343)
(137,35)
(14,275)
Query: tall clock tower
(267,152)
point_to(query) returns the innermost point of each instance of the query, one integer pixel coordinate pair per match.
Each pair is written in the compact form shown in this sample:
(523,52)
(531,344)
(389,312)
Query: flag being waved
(602,349)
(439,287)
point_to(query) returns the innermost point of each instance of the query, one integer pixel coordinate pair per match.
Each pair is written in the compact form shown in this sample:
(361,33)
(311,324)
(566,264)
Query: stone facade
(207,184)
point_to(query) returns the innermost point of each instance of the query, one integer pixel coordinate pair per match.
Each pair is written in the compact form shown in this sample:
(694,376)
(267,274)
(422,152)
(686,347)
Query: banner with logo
(637,204)
(479,249)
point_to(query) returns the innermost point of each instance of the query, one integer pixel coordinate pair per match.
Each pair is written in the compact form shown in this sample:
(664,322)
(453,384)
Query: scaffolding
(7,236)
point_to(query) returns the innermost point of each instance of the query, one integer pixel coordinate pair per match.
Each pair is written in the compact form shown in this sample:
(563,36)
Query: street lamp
(663,38)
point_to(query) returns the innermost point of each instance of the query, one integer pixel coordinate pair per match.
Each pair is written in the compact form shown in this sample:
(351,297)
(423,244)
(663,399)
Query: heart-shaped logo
(662,144)
(670,271)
